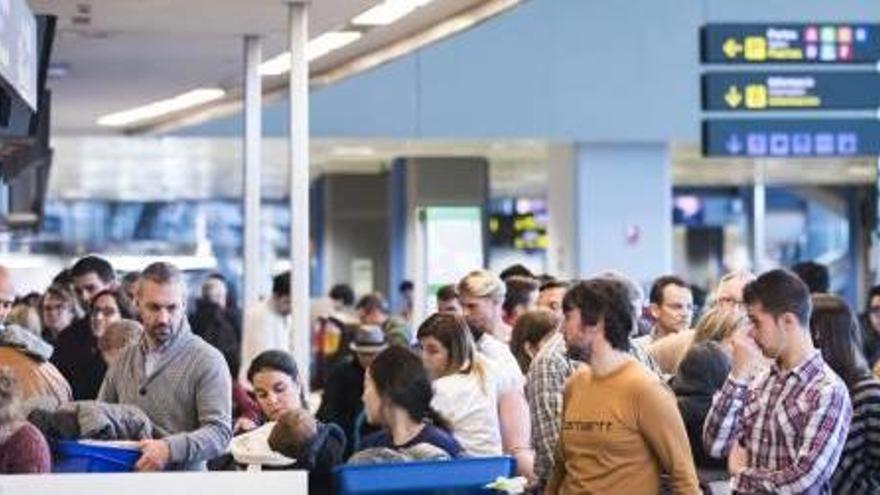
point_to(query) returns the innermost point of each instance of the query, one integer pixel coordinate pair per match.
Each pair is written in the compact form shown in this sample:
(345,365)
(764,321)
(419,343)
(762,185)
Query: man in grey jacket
(176,378)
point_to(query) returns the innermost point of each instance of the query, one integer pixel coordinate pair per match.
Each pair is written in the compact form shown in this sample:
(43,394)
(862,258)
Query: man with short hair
(550,295)
(815,275)
(76,353)
(672,306)
(521,297)
(373,310)
(482,294)
(784,430)
(621,428)
(447,300)
(669,351)
(176,378)
(267,324)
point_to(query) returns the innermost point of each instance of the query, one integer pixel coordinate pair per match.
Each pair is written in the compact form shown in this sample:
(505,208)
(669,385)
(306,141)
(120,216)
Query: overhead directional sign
(18,50)
(762,91)
(791,138)
(808,43)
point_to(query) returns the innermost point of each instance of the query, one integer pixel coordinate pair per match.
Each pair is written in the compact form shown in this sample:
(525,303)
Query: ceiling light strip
(444,29)
(159,108)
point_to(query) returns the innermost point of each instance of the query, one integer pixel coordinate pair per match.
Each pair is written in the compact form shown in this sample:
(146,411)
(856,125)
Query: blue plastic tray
(461,476)
(75,457)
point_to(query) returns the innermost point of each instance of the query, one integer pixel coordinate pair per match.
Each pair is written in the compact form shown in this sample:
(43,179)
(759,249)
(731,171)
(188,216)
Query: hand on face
(748,360)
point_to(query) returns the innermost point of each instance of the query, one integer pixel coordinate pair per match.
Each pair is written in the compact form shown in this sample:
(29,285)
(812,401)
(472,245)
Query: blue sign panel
(764,91)
(18,50)
(787,43)
(791,138)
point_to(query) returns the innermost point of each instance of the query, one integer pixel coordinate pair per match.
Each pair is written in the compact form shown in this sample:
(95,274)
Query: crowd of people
(587,386)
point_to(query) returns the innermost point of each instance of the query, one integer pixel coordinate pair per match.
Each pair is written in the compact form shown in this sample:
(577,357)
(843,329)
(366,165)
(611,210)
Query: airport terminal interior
(439,246)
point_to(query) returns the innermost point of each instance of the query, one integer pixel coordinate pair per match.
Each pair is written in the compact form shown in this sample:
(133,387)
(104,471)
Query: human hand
(738,460)
(747,358)
(155,454)
(243,424)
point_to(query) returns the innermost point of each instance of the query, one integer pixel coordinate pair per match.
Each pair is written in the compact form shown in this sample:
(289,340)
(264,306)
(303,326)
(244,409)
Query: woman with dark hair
(531,331)
(109,306)
(397,396)
(464,393)
(871,327)
(23,449)
(289,428)
(836,333)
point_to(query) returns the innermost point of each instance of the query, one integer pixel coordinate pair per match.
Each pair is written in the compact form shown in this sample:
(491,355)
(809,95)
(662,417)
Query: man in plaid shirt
(783,431)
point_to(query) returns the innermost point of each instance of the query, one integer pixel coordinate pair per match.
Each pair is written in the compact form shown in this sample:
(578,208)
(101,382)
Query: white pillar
(252,137)
(298,85)
(759,218)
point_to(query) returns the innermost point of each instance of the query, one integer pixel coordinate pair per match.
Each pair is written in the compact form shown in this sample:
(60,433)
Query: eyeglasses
(874,310)
(729,301)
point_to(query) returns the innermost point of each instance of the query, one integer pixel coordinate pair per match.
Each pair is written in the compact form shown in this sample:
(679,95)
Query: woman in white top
(464,392)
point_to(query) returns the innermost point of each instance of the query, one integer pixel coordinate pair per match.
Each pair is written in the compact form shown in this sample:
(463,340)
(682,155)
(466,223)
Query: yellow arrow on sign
(733,97)
(732,48)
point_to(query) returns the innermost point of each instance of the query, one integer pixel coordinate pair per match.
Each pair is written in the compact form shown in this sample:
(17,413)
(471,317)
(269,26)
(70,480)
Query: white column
(299,185)
(759,218)
(252,137)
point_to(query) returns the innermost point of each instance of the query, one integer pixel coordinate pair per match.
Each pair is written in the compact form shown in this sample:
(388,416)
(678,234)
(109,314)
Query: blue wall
(618,187)
(572,70)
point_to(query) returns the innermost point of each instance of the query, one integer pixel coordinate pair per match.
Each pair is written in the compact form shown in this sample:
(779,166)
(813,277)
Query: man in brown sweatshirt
(621,428)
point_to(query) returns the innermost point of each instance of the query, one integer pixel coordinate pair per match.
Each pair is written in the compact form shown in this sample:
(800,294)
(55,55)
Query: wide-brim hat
(368,339)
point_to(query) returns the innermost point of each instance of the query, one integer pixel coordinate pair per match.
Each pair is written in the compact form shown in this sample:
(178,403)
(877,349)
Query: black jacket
(77,358)
(210,322)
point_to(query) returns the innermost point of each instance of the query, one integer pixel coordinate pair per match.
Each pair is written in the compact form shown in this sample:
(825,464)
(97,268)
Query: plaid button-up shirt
(793,425)
(544,385)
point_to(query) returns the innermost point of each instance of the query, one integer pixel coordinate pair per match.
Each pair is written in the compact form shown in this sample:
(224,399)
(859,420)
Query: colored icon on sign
(732,48)
(861,35)
(734,144)
(733,97)
(844,34)
(779,145)
(756,48)
(756,144)
(811,34)
(824,143)
(756,96)
(828,52)
(844,52)
(812,51)
(801,144)
(829,34)
(847,143)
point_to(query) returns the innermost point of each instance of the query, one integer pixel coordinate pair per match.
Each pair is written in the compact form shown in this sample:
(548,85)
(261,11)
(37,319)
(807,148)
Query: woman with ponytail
(464,392)
(397,397)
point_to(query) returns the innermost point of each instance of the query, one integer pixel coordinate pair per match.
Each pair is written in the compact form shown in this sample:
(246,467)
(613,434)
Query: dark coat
(77,358)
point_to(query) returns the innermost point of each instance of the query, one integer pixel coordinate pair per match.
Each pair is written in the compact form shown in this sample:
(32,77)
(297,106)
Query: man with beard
(176,378)
(621,428)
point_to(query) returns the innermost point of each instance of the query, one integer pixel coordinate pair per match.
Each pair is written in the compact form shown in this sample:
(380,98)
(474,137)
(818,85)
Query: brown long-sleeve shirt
(619,433)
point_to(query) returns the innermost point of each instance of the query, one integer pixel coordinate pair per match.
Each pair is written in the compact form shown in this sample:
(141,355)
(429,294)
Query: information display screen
(791,138)
(765,91)
(789,43)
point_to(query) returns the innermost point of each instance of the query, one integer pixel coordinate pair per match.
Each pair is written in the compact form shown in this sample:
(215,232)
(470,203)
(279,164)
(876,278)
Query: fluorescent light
(161,107)
(317,48)
(388,12)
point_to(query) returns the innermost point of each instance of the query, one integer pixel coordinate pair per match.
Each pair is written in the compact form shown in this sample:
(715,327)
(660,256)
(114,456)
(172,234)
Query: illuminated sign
(761,91)
(808,43)
(791,138)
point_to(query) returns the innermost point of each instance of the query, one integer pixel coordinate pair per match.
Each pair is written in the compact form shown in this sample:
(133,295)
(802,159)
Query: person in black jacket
(212,322)
(342,403)
(700,374)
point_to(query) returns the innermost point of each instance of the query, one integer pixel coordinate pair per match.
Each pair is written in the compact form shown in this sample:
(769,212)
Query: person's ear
(654,308)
